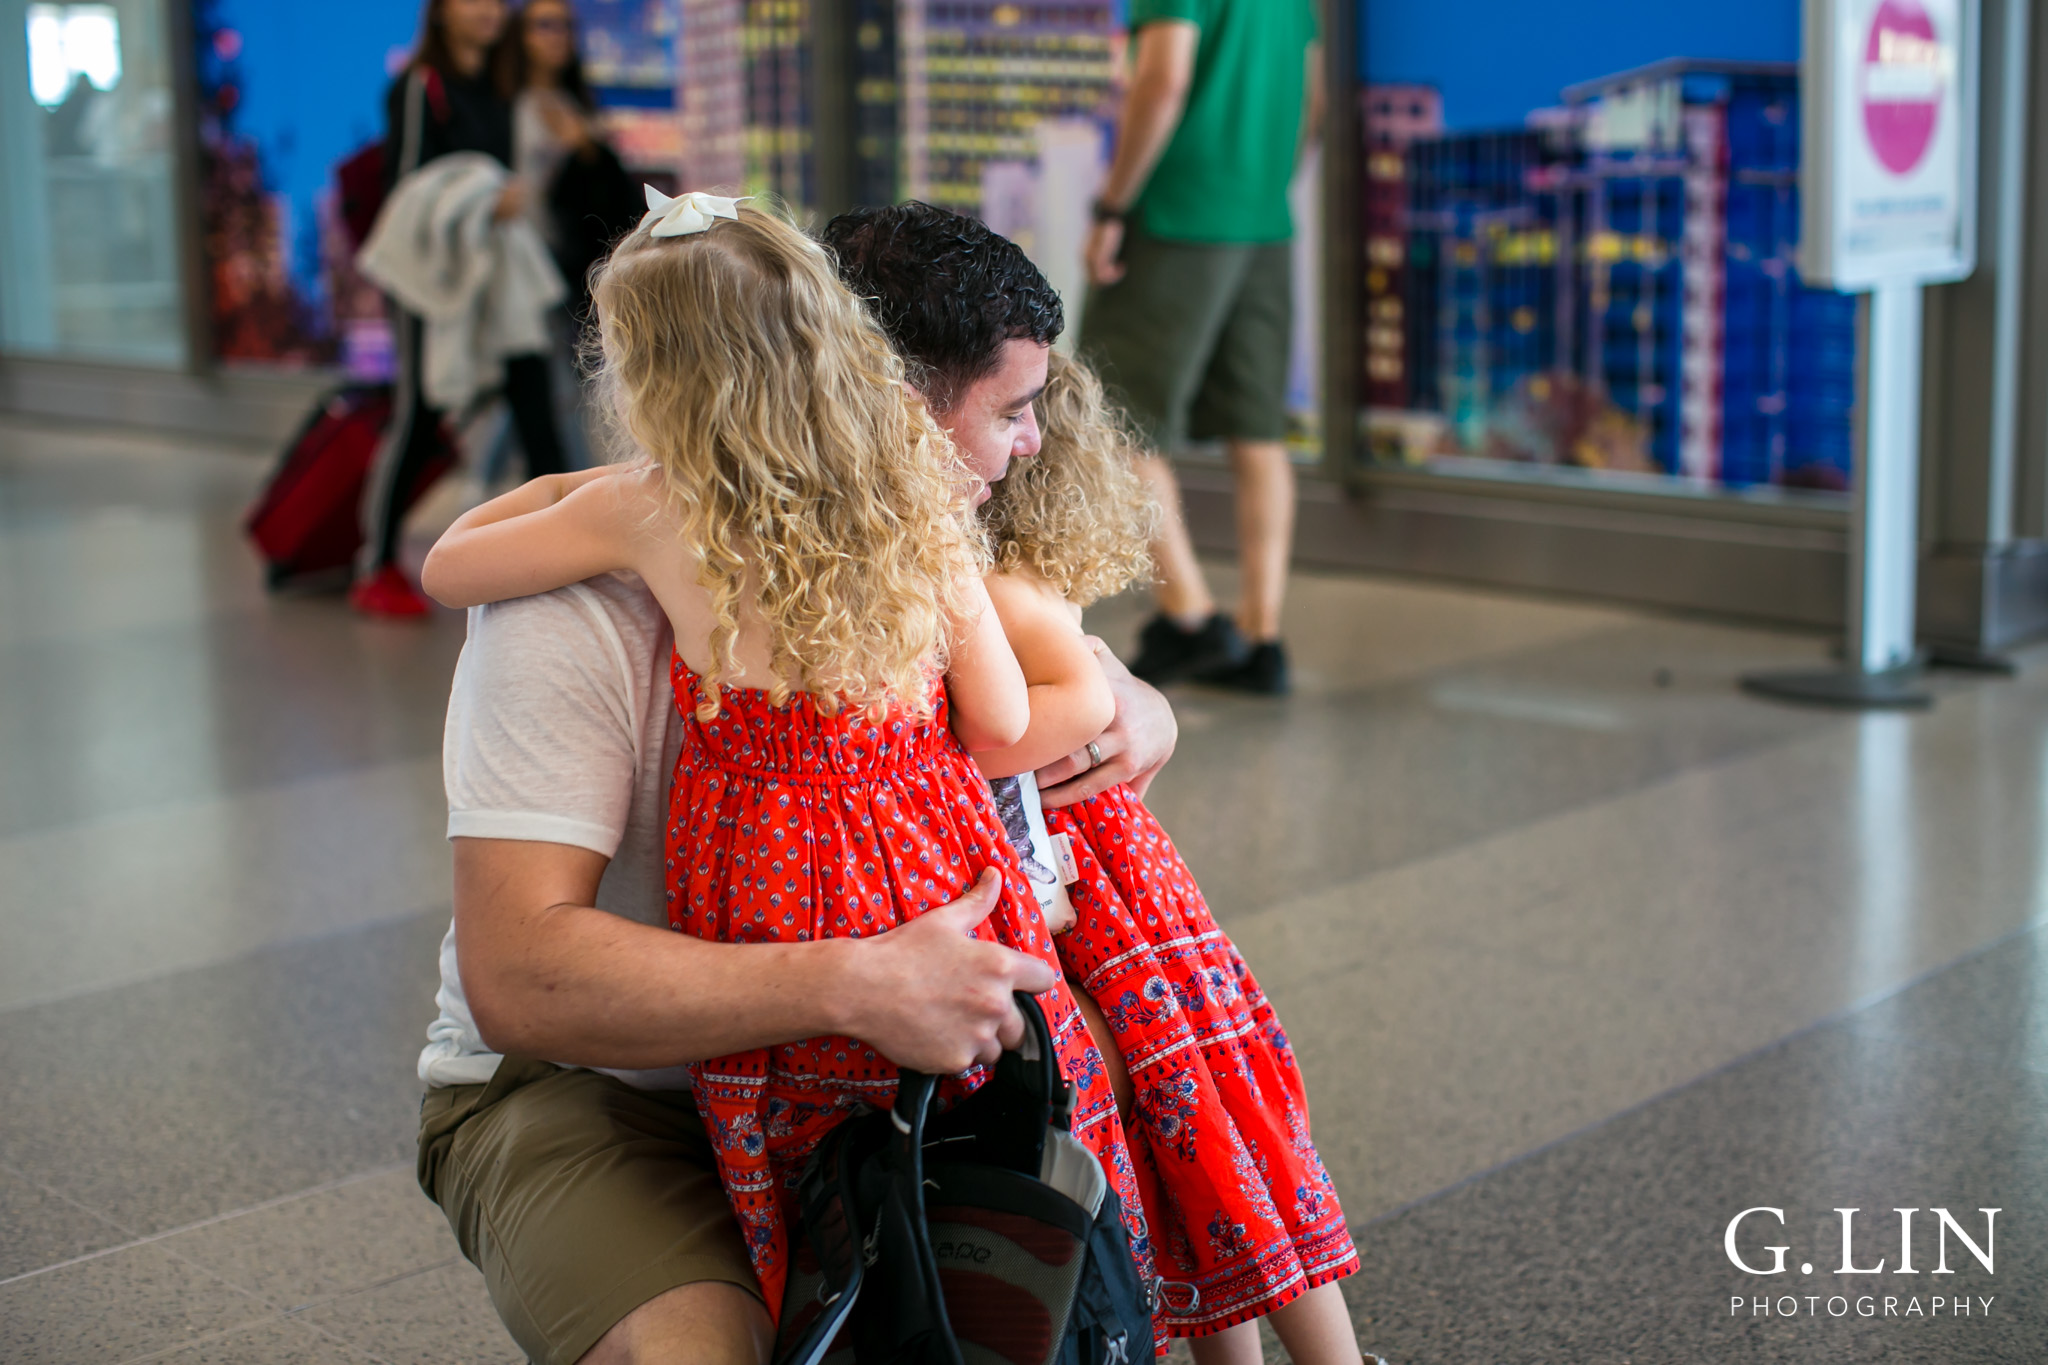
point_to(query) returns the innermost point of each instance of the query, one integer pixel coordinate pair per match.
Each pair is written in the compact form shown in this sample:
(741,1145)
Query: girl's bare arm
(548,533)
(1071,702)
(991,706)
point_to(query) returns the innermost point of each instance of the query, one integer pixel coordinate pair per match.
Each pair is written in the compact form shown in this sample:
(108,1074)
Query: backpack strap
(409,144)
(424,90)
(905,1305)
(437,94)
(1037,1048)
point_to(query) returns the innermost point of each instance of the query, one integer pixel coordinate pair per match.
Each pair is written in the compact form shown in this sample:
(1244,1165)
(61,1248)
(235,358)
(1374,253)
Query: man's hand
(549,976)
(1061,915)
(1105,247)
(929,995)
(1134,748)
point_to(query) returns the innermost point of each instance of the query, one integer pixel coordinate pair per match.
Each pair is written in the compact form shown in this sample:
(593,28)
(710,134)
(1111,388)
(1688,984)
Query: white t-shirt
(537,156)
(562,729)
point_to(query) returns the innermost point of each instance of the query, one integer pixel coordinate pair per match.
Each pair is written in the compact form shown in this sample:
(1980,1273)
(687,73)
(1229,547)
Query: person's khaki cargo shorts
(1194,340)
(579,1197)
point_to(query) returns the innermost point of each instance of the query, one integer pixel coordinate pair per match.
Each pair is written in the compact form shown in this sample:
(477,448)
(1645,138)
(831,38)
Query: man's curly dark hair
(947,290)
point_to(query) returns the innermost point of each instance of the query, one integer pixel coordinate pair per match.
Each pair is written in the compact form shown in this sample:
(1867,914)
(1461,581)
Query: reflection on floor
(1583,952)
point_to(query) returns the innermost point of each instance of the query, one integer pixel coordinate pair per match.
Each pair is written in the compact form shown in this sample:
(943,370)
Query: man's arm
(547,975)
(1134,748)
(1161,73)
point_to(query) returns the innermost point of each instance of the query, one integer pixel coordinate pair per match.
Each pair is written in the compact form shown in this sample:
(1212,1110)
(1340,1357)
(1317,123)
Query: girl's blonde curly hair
(1078,515)
(822,501)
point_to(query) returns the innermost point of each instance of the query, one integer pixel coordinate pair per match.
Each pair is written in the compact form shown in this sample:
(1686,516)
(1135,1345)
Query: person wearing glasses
(446,101)
(577,194)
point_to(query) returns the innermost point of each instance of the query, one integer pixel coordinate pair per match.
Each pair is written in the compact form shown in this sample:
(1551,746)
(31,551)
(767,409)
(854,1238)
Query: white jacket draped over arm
(482,287)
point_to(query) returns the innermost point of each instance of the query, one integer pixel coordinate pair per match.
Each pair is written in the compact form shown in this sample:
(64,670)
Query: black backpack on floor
(986,1235)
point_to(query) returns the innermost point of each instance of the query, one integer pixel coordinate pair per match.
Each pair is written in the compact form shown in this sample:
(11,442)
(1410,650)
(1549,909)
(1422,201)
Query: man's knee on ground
(708,1323)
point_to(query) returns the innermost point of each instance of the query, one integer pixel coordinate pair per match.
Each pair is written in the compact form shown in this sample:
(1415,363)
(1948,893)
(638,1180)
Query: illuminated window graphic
(69,41)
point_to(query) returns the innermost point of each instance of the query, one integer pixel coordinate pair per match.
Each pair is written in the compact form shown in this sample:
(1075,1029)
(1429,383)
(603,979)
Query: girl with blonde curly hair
(803,524)
(1243,1219)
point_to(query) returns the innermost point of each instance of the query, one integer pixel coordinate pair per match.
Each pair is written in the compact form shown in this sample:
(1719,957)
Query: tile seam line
(1484,656)
(1840,1016)
(198,621)
(325,1187)
(293,1315)
(298,1310)
(1713,765)
(125,983)
(297,1314)
(86,430)
(203,1339)
(1336,697)
(264,791)
(55,1193)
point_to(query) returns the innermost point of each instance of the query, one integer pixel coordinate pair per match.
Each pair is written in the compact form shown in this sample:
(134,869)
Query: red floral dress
(1242,1215)
(788,825)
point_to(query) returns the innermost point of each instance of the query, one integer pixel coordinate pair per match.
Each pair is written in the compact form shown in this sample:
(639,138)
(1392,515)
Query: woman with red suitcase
(445,102)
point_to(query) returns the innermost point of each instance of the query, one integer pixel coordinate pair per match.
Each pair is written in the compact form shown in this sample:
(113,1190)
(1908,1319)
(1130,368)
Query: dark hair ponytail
(432,51)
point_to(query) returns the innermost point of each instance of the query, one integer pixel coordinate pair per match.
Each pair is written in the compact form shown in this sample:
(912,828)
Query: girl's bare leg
(1105,1043)
(1237,1345)
(1316,1329)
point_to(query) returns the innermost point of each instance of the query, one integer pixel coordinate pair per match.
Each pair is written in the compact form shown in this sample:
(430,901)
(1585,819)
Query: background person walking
(444,103)
(577,193)
(1190,317)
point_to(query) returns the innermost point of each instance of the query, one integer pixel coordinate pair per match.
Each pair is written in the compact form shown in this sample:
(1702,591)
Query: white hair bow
(685,214)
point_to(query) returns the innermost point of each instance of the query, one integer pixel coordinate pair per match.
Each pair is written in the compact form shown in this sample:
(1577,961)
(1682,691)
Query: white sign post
(1888,204)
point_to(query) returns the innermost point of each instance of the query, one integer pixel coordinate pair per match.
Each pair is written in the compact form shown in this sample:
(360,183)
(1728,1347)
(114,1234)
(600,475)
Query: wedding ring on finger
(1094,754)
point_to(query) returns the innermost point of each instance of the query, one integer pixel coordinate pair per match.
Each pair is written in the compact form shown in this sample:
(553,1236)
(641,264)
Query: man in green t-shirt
(1190,318)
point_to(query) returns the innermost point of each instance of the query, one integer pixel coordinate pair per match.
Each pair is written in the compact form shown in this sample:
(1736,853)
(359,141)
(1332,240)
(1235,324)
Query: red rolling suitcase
(308,522)
(360,182)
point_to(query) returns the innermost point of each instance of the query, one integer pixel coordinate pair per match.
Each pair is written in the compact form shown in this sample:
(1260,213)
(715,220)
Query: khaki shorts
(579,1197)
(1194,340)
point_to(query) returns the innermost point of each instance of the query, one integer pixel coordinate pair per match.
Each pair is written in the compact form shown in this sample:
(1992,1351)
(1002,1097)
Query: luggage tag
(1063,850)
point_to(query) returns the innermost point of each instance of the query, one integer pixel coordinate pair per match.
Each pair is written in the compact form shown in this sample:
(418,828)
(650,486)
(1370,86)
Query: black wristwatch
(1104,212)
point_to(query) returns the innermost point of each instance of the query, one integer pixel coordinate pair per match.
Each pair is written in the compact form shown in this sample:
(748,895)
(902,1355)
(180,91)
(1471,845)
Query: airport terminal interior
(1621,358)
(1583,951)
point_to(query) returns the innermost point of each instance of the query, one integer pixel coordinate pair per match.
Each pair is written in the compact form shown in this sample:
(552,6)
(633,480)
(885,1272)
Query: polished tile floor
(1583,952)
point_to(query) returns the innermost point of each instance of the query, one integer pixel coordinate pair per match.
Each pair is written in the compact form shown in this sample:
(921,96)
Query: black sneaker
(1262,671)
(1167,653)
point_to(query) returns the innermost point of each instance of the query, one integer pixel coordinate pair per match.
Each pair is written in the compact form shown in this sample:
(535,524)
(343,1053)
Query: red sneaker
(387,593)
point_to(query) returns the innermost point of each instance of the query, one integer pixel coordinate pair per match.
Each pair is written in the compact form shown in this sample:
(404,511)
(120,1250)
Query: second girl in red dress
(1244,1220)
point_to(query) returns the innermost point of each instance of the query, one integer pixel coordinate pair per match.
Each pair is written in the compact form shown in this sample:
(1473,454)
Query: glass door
(89,239)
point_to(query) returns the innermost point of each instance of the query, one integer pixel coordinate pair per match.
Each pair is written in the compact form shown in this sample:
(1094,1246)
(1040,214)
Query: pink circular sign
(1904,73)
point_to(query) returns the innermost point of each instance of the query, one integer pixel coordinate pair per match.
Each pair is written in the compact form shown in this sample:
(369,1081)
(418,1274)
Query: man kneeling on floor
(583,1186)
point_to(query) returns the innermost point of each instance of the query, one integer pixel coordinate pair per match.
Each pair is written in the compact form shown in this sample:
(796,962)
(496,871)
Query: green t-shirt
(1224,176)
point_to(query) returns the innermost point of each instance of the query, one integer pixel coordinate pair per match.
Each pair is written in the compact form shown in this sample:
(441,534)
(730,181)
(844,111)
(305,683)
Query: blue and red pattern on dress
(1242,1215)
(787,825)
